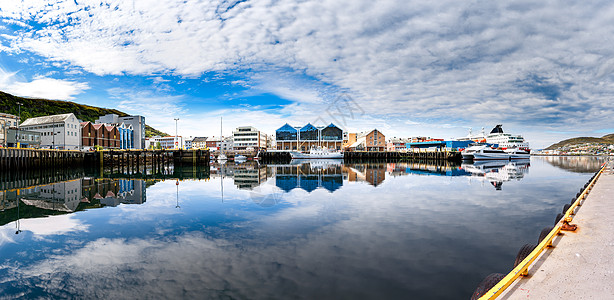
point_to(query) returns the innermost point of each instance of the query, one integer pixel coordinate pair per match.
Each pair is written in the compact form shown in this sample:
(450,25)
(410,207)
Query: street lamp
(17,132)
(176,136)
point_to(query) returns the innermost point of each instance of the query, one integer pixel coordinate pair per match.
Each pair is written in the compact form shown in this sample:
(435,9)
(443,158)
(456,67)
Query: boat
(484,152)
(506,140)
(317,153)
(240,157)
(499,138)
(517,153)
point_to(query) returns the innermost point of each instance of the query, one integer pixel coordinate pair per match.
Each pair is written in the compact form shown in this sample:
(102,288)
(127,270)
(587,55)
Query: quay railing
(522,269)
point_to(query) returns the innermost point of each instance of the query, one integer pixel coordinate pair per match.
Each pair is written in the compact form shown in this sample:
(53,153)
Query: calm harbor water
(307,230)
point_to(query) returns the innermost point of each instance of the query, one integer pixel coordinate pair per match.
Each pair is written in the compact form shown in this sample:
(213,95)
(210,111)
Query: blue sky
(408,68)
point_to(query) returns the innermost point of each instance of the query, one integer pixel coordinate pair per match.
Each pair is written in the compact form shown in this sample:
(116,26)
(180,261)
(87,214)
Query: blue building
(126,136)
(303,138)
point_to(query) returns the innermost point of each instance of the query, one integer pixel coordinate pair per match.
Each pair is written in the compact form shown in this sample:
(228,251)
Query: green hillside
(42,107)
(606,139)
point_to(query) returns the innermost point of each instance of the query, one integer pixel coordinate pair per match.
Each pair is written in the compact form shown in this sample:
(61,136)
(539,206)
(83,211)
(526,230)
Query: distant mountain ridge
(606,139)
(37,107)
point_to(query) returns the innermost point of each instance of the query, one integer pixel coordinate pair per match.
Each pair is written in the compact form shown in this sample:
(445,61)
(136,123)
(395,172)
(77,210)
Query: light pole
(176,136)
(19,120)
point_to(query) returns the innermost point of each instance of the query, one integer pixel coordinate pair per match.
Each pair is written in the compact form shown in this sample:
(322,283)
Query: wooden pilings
(25,159)
(418,154)
(132,161)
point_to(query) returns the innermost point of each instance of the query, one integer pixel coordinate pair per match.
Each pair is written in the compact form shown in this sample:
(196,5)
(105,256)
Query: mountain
(33,107)
(606,139)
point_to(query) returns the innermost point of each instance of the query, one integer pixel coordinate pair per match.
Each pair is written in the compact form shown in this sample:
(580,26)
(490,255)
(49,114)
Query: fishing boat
(317,153)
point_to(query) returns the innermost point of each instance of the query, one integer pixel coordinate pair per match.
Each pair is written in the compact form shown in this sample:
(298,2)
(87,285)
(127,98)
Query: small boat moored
(317,153)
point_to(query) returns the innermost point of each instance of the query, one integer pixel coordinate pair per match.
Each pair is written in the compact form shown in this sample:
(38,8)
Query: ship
(317,153)
(498,137)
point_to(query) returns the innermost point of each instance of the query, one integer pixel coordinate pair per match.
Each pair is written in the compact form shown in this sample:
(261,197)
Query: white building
(228,144)
(188,143)
(57,131)
(6,121)
(166,142)
(248,137)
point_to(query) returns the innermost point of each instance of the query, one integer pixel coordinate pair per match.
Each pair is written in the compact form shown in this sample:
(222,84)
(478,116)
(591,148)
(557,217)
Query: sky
(543,69)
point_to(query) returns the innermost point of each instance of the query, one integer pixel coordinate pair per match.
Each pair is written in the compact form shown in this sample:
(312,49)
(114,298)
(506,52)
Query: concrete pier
(581,263)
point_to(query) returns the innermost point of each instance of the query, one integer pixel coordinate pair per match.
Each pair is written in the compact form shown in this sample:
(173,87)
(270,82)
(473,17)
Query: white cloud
(541,64)
(41,87)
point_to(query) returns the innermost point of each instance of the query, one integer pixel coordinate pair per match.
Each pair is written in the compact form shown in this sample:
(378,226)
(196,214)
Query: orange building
(373,140)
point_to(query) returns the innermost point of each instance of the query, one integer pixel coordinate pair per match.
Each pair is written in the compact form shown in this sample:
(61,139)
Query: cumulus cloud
(519,62)
(41,86)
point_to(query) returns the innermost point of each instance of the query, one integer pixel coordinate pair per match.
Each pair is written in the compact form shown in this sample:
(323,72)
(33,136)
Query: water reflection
(576,164)
(306,230)
(499,171)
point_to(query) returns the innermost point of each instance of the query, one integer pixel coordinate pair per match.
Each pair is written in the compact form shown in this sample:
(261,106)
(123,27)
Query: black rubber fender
(486,284)
(559,216)
(566,208)
(524,251)
(544,233)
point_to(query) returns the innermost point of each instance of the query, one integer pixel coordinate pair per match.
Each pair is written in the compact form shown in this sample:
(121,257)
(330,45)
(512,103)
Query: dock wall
(124,160)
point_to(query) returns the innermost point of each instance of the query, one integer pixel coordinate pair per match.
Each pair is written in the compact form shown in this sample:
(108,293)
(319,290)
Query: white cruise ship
(506,140)
(496,136)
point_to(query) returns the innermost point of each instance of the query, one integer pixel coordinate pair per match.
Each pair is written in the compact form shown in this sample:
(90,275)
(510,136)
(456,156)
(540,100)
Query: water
(305,231)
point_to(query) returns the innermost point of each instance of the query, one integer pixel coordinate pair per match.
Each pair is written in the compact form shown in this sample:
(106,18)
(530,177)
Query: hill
(33,107)
(606,139)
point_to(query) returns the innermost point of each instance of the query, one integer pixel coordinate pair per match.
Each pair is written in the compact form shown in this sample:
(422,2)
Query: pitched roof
(199,139)
(47,119)
(287,127)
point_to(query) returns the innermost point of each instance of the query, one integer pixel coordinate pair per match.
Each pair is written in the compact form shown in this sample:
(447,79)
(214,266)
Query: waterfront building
(228,144)
(165,142)
(199,142)
(373,140)
(187,144)
(126,133)
(26,138)
(308,136)
(137,123)
(397,144)
(57,131)
(102,135)
(213,143)
(248,138)
(7,122)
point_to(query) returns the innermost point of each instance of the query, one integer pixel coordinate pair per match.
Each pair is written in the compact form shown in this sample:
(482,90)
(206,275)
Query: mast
(221,139)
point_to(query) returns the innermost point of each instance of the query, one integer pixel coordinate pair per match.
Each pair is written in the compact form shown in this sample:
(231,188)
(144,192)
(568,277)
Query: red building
(104,135)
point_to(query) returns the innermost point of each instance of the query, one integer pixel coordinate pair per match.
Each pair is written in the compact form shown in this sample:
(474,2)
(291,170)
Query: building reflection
(310,175)
(247,175)
(68,196)
(371,173)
